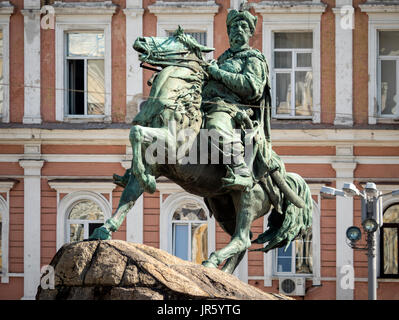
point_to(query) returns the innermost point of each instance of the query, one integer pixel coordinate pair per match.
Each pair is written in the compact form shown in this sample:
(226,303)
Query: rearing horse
(175,98)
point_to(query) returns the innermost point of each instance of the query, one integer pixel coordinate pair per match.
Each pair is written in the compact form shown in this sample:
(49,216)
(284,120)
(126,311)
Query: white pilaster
(31,14)
(344,167)
(32,190)
(134,74)
(242,269)
(344,20)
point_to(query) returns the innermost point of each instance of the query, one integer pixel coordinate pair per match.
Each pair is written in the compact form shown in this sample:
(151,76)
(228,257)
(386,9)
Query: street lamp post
(372,219)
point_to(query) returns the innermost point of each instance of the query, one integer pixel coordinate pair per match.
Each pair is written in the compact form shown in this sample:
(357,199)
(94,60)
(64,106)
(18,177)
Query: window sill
(388,120)
(104,119)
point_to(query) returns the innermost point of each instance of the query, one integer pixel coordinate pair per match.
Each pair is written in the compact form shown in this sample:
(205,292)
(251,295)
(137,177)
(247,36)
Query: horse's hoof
(101,233)
(209,264)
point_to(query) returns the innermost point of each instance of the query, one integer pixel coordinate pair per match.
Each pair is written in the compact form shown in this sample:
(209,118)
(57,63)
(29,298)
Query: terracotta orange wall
(376,151)
(360,65)
(11,149)
(328,238)
(16,231)
(327,60)
(13,290)
(48,223)
(47,76)
(151,204)
(17,62)
(81,168)
(119,63)
(313,170)
(82,149)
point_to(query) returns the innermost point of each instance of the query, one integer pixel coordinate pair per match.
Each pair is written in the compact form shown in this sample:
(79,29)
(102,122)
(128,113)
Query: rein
(161,59)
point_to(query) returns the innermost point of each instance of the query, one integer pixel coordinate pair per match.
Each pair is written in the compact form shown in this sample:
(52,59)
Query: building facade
(71,85)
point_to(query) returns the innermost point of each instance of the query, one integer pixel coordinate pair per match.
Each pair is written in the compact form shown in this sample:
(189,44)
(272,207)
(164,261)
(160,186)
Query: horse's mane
(189,41)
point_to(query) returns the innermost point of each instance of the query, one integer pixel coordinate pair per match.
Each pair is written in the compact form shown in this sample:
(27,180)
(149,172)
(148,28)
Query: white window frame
(295,18)
(382,17)
(189,223)
(291,71)
(5,13)
(65,23)
(76,191)
(5,187)
(379,61)
(85,59)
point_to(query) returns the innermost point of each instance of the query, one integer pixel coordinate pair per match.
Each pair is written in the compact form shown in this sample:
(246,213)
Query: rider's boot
(238,177)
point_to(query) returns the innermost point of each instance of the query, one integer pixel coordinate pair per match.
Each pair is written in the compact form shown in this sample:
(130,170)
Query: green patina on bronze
(230,93)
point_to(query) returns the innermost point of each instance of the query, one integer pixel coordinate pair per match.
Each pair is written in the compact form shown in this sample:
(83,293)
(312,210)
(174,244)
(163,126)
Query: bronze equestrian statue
(230,96)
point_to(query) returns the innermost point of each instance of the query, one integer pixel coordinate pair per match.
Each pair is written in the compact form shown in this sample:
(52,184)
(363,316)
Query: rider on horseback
(238,83)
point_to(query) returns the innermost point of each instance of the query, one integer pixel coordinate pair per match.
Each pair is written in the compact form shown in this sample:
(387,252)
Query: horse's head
(158,51)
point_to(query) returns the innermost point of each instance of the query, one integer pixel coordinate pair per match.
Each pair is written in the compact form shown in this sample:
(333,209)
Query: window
(199,36)
(190,233)
(292,75)
(83,218)
(388,69)
(83,62)
(85,73)
(298,258)
(389,240)
(186,229)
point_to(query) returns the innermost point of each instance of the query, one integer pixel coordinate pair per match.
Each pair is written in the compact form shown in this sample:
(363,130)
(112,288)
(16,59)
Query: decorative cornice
(133,12)
(7,184)
(186,7)
(84,8)
(378,7)
(6,8)
(72,185)
(289,7)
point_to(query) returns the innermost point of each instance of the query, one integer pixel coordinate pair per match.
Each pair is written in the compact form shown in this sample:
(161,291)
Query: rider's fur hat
(235,15)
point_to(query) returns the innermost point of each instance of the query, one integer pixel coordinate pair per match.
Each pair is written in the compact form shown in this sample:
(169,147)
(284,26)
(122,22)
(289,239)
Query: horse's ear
(205,49)
(179,31)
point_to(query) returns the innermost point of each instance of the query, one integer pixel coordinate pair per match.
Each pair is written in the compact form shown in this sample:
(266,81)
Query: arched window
(186,230)
(389,240)
(190,232)
(79,213)
(83,218)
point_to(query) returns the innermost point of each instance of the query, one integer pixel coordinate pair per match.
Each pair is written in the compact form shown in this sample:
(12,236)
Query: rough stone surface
(120,270)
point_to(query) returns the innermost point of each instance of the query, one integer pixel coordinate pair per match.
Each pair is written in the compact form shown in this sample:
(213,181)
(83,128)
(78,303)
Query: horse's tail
(293,221)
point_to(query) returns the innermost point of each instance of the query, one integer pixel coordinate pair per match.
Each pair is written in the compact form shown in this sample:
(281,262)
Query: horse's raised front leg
(129,196)
(155,140)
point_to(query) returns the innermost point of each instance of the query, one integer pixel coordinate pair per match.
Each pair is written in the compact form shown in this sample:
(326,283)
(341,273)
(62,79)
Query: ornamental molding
(378,7)
(186,7)
(84,8)
(6,8)
(285,7)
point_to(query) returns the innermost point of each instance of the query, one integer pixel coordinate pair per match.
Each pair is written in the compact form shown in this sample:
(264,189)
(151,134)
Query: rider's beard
(238,40)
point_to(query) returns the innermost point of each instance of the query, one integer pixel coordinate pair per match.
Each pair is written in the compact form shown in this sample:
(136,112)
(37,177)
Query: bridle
(163,58)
